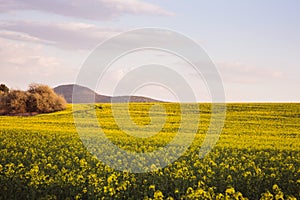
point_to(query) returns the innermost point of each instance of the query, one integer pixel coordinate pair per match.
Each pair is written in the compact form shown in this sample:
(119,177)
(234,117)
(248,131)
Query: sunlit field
(256,157)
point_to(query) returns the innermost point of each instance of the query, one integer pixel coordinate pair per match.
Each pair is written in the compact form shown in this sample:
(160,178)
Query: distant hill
(86,95)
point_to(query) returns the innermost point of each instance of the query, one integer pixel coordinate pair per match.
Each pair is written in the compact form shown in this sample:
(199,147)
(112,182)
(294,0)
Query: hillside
(86,95)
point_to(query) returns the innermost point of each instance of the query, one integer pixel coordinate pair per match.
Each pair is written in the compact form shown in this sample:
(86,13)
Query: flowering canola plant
(256,157)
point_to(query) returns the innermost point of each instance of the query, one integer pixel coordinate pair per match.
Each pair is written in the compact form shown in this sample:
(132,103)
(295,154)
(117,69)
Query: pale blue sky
(254,44)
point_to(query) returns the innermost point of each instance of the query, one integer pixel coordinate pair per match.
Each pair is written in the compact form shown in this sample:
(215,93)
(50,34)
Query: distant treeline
(37,99)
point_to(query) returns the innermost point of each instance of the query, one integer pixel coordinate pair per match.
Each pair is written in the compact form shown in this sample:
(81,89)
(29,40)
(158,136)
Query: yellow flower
(158,195)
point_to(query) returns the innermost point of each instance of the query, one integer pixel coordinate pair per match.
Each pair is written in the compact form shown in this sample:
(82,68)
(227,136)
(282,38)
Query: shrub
(3,88)
(42,99)
(13,102)
(38,98)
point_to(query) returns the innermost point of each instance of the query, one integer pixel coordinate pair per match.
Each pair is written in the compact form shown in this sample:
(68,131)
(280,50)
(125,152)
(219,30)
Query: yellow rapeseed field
(256,157)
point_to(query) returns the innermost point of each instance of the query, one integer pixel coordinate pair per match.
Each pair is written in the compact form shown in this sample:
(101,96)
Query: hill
(86,95)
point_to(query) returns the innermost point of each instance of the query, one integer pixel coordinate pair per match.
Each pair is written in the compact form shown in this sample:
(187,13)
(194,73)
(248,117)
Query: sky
(255,45)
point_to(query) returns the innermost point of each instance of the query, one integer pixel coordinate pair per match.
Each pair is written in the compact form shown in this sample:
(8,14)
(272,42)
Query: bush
(42,99)
(14,102)
(37,99)
(3,89)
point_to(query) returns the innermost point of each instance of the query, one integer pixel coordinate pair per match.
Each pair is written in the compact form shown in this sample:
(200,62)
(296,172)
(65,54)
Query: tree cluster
(37,99)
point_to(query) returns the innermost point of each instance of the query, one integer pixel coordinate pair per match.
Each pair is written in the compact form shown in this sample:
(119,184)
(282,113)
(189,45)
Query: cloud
(22,63)
(20,37)
(84,36)
(236,72)
(88,9)
(64,35)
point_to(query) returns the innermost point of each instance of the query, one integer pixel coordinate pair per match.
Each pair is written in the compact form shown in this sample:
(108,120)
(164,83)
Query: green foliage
(257,156)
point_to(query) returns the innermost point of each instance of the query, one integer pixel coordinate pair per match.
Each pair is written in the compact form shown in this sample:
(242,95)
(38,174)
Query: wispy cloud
(236,72)
(21,37)
(88,9)
(64,35)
